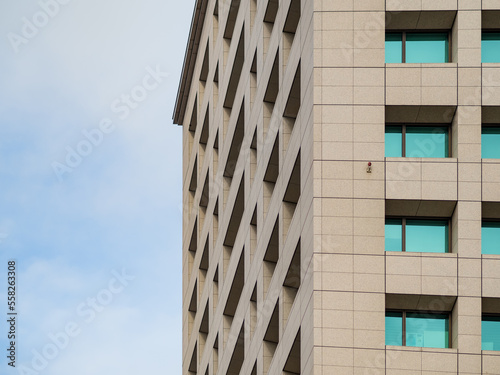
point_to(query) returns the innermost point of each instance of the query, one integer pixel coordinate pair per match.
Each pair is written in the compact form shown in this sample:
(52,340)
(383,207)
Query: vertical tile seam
(352,179)
(385,193)
(481,125)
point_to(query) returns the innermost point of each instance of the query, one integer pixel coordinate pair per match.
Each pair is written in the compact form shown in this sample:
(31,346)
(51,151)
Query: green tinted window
(490,238)
(393,47)
(393,141)
(427,47)
(427,330)
(423,236)
(394,328)
(393,235)
(490,338)
(420,141)
(429,236)
(490,48)
(427,141)
(490,142)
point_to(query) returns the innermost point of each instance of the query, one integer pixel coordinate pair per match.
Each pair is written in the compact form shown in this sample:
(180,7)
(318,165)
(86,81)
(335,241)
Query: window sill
(426,350)
(423,160)
(490,256)
(491,161)
(490,65)
(421,254)
(424,65)
(491,352)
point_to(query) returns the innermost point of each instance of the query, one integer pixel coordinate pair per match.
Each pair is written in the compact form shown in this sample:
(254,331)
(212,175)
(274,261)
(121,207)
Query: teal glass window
(394,328)
(490,142)
(394,47)
(490,47)
(427,330)
(490,238)
(393,235)
(416,329)
(393,141)
(427,47)
(427,142)
(417,235)
(429,236)
(417,47)
(417,141)
(490,337)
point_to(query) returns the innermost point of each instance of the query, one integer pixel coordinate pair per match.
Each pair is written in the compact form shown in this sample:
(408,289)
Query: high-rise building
(341,187)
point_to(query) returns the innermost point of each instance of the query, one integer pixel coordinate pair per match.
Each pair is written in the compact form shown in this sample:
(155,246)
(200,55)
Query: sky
(90,185)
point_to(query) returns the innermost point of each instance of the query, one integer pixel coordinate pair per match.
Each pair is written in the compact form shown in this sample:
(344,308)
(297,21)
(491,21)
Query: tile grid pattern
(200,159)
(347,94)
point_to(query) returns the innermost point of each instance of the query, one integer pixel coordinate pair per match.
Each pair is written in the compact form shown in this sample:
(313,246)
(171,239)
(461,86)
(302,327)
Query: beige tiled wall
(247,172)
(347,142)
(345,274)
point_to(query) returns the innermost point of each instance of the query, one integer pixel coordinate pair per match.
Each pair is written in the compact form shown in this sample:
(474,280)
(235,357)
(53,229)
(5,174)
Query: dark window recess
(239,354)
(271,11)
(271,94)
(272,170)
(236,288)
(271,337)
(292,279)
(236,215)
(234,151)
(205,257)
(293,103)
(204,326)
(234,80)
(271,256)
(193,364)
(205,65)
(292,193)
(193,303)
(292,364)
(293,17)
(194,117)
(205,193)
(204,130)
(273,85)
(272,251)
(231,18)
(291,197)
(193,183)
(193,246)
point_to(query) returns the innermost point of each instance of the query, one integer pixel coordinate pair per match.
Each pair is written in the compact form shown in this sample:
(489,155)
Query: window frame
(405,312)
(492,125)
(430,31)
(403,229)
(488,315)
(487,31)
(403,134)
(489,220)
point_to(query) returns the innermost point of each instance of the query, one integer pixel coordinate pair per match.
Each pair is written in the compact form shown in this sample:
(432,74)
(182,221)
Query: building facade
(341,187)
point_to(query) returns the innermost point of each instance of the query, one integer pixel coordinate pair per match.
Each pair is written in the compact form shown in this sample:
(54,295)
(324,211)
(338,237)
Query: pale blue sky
(69,221)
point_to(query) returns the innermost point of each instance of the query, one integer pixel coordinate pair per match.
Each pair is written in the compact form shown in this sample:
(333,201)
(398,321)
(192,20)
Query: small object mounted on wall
(369,168)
